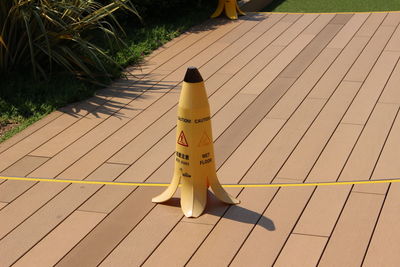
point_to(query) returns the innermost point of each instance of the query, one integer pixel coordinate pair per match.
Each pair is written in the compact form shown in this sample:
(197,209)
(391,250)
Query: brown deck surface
(295,98)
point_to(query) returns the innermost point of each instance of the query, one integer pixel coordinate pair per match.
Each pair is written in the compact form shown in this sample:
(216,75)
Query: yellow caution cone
(231,8)
(194,156)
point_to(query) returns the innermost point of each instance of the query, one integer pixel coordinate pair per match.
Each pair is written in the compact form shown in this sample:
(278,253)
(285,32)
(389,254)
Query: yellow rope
(395,180)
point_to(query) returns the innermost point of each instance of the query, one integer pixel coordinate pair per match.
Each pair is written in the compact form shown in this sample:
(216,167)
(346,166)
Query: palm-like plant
(42,34)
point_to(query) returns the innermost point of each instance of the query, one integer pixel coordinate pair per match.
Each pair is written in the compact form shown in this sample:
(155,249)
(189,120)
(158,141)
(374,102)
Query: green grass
(25,101)
(308,6)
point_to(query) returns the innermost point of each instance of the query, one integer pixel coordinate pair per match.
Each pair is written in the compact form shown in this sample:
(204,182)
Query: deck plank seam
(368,193)
(247,235)
(210,232)
(94,228)
(222,162)
(178,221)
(227,81)
(334,226)
(2,149)
(323,149)
(313,165)
(294,225)
(160,117)
(271,141)
(110,98)
(376,224)
(352,187)
(295,233)
(80,157)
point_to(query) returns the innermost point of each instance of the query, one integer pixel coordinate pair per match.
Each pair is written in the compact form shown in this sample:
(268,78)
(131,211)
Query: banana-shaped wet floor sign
(194,156)
(231,8)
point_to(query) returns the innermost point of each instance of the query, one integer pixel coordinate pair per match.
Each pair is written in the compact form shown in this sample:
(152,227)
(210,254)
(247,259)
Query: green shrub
(44,35)
(163,9)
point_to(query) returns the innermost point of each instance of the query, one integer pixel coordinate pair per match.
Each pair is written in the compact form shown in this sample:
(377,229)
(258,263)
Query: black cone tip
(193,75)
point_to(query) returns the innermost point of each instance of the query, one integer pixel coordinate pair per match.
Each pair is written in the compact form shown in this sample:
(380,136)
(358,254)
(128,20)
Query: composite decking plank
(370,55)
(372,24)
(46,218)
(301,250)
(296,173)
(197,33)
(350,238)
(54,128)
(369,147)
(125,134)
(261,247)
(321,67)
(54,246)
(23,147)
(384,242)
(307,151)
(331,114)
(319,122)
(345,158)
(270,95)
(386,166)
(316,218)
(226,237)
(94,235)
(312,222)
(125,154)
(157,155)
(69,116)
(349,29)
(271,71)
(258,47)
(302,61)
(392,19)
(61,161)
(10,189)
(306,114)
(355,49)
(238,80)
(394,42)
(28,131)
(384,246)
(266,129)
(391,93)
(198,47)
(339,197)
(324,216)
(81,127)
(216,129)
(95,102)
(167,178)
(298,27)
(148,234)
(103,238)
(297,134)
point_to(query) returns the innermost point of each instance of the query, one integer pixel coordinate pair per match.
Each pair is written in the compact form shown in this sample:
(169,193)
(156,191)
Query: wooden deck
(294,98)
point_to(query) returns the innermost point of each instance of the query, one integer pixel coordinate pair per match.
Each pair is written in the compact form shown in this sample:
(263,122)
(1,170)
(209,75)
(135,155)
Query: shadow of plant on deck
(116,99)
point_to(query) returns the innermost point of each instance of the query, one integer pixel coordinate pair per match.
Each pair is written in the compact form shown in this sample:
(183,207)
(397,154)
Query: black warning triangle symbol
(182,139)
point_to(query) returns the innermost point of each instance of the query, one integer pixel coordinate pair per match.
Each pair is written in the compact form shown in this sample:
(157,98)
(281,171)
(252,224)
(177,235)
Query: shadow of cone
(194,157)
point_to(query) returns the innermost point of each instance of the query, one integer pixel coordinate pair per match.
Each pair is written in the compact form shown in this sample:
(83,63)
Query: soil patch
(6,126)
